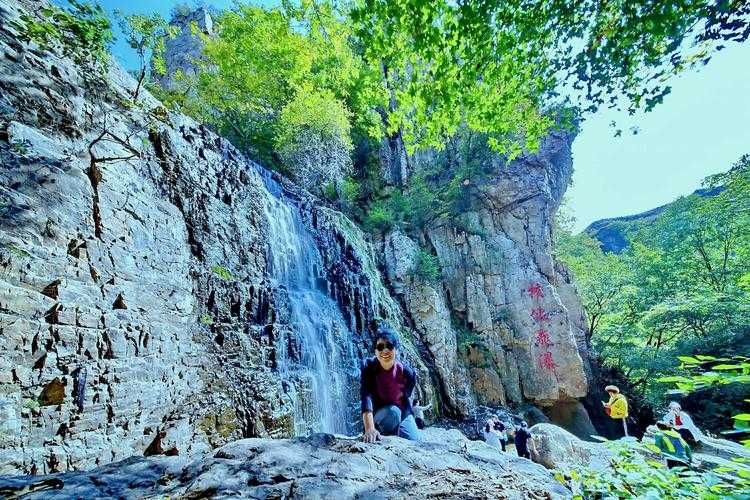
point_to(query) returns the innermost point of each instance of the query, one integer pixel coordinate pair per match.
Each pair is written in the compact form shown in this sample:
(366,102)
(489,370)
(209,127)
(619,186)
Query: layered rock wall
(137,314)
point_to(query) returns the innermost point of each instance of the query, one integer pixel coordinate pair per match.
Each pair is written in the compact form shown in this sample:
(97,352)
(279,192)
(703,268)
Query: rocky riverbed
(445,465)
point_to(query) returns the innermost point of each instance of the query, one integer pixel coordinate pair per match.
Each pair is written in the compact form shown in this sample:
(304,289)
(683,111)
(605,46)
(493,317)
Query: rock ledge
(445,465)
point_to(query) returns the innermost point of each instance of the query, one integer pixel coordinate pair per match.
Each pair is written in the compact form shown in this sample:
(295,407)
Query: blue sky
(701,128)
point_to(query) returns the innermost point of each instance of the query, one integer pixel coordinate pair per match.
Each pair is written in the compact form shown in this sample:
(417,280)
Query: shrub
(421,202)
(222,272)
(350,190)
(469,226)
(146,34)
(81,30)
(379,217)
(426,267)
(633,474)
(329,191)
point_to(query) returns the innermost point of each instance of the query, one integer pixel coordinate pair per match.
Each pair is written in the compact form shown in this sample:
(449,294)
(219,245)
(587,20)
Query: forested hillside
(678,290)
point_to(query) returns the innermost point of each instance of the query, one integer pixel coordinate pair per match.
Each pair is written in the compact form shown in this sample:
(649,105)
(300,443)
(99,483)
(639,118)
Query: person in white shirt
(491,436)
(419,413)
(683,423)
(501,431)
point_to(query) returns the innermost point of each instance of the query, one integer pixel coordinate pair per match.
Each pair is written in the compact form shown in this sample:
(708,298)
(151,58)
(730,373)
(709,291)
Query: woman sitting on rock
(386,388)
(682,423)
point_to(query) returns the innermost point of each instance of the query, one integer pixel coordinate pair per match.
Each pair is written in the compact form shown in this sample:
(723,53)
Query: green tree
(494,62)
(431,83)
(277,83)
(146,34)
(602,278)
(313,137)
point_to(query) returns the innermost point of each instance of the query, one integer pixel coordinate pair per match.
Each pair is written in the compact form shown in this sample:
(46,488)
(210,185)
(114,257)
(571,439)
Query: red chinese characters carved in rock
(546,361)
(539,314)
(542,338)
(535,291)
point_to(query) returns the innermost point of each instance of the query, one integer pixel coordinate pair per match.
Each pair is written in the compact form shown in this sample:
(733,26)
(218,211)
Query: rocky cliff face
(162,294)
(156,288)
(503,325)
(184,49)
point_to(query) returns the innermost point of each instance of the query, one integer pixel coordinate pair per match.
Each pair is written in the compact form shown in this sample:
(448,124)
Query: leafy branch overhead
(614,53)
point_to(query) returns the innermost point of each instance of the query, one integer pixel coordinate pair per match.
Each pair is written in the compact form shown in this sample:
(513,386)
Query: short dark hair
(385,332)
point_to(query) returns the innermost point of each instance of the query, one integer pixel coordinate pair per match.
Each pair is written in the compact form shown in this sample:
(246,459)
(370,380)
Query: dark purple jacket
(368,390)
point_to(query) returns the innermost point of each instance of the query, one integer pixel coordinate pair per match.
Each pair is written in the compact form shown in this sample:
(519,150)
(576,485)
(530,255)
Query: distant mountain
(612,233)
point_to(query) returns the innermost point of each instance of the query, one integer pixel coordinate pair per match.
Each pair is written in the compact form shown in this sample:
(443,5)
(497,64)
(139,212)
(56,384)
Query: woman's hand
(371,433)
(371,436)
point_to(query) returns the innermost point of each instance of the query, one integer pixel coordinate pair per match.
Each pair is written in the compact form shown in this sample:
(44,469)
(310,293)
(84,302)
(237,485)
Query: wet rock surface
(446,465)
(137,309)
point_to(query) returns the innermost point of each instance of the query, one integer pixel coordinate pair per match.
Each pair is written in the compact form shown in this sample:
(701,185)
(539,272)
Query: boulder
(572,416)
(556,448)
(445,465)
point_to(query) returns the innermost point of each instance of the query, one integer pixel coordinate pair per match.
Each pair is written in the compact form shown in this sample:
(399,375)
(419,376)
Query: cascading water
(325,366)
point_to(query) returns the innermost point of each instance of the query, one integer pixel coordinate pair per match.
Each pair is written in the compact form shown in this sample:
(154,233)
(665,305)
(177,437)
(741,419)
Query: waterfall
(324,368)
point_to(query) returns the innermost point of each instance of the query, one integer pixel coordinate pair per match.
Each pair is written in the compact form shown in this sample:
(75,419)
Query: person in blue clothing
(675,449)
(386,387)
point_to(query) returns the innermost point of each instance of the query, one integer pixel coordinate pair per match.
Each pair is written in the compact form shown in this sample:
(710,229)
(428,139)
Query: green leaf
(222,273)
(688,360)
(726,367)
(674,378)
(705,358)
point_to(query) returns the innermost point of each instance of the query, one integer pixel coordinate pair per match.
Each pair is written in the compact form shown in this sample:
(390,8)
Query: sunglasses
(383,346)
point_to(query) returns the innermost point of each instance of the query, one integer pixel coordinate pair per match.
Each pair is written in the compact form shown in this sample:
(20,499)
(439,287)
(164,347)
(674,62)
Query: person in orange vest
(617,408)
